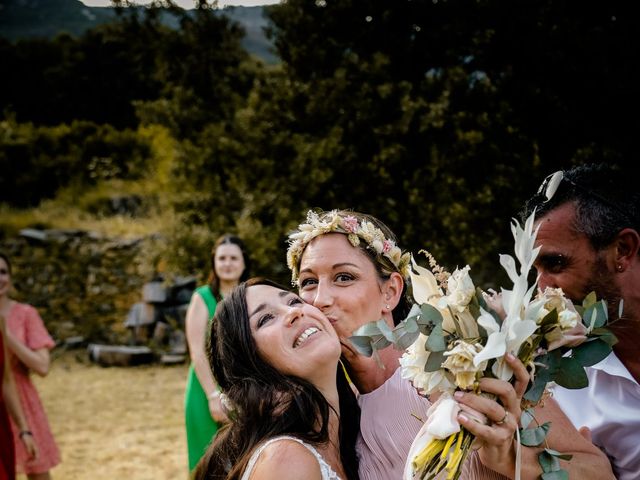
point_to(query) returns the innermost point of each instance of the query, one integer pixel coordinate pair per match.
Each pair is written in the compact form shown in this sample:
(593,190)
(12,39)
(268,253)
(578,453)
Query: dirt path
(124,423)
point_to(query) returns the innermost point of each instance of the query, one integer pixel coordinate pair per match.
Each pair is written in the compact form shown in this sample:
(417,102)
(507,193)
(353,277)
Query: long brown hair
(266,402)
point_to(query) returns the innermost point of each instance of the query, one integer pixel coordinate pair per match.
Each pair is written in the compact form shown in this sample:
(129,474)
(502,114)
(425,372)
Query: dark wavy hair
(226,239)
(266,402)
(606,201)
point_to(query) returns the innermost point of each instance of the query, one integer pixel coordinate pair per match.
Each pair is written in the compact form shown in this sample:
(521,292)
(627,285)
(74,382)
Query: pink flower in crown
(350,224)
(387,245)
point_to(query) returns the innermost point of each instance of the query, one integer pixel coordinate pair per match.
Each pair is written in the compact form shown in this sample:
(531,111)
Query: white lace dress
(326,471)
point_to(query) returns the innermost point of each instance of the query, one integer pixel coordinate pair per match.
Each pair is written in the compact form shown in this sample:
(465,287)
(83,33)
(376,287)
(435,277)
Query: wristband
(24,433)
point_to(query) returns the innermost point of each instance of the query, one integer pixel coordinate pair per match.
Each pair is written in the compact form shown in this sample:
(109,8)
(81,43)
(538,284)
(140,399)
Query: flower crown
(356,230)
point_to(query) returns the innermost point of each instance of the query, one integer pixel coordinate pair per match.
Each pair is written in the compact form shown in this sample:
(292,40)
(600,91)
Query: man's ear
(627,244)
(392,290)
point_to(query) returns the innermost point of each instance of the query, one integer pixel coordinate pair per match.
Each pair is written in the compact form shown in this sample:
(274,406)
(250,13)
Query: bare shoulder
(286,460)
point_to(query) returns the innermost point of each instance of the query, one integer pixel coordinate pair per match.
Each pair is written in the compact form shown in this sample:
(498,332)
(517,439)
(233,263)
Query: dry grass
(111,423)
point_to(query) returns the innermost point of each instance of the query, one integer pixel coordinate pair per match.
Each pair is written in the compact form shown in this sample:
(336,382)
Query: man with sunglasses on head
(589,234)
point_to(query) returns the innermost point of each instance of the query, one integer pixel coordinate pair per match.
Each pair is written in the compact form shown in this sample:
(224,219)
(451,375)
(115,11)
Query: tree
(449,108)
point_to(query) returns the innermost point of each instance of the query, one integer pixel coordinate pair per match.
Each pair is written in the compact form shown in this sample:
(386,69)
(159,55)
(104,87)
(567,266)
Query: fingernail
(510,356)
(463,417)
(458,394)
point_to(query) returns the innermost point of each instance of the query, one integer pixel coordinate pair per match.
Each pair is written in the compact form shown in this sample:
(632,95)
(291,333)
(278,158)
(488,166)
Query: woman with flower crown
(348,265)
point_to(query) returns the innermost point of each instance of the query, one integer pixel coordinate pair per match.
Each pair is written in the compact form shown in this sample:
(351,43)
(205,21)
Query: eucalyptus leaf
(527,417)
(596,314)
(434,362)
(378,360)
(590,353)
(429,315)
(548,462)
(411,325)
(532,437)
(589,300)
(415,311)
(385,330)
(362,345)
(571,374)
(368,330)
(436,342)
(549,364)
(555,453)
(550,318)
(405,340)
(606,336)
(379,343)
(536,388)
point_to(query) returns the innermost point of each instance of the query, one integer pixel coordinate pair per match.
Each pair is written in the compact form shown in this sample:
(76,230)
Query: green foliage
(549,461)
(532,437)
(100,75)
(439,118)
(438,110)
(38,161)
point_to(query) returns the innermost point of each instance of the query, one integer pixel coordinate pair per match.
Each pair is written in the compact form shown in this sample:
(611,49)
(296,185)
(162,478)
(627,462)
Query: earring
(387,307)
(619,267)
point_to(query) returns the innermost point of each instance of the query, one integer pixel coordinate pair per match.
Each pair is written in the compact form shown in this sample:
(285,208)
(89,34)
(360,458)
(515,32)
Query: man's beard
(602,282)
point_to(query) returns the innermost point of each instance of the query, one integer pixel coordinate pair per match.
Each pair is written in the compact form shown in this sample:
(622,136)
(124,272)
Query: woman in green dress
(203,410)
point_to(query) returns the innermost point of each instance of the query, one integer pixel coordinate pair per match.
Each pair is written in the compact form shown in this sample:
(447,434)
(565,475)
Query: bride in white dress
(293,413)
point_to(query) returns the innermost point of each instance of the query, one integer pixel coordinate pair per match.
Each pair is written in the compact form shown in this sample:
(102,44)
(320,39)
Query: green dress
(201,428)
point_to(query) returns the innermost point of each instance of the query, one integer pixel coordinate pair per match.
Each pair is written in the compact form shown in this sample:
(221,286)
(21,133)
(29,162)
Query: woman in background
(28,344)
(203,410)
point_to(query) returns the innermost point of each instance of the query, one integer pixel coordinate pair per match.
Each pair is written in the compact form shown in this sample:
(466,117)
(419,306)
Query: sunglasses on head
(552,182)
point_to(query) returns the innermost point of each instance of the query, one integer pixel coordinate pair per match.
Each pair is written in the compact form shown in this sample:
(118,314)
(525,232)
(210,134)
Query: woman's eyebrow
(334,266)
(262,306)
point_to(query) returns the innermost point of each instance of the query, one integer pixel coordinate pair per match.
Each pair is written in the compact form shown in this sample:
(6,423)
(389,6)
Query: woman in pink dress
(9,404)
(28,344)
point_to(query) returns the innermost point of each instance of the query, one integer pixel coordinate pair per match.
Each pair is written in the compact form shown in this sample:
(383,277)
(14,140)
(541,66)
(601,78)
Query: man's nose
(546,280)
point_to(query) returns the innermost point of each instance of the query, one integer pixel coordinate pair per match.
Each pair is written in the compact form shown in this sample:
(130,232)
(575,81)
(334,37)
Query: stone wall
(83,284)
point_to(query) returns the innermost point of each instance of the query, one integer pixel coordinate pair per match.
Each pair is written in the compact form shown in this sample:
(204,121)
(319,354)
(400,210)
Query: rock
(119,355)
(172,359)
(33,234)
(74,342)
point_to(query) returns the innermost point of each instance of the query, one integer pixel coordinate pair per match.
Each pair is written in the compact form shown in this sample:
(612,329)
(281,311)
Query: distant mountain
(45,18)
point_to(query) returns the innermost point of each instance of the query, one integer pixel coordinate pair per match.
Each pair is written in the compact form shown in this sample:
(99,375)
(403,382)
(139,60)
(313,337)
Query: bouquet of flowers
(456,334)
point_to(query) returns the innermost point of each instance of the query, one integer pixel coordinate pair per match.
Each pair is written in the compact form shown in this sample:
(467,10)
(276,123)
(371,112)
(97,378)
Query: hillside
(45,18)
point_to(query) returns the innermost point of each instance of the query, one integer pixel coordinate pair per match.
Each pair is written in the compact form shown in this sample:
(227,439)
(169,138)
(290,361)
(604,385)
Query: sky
(188,3)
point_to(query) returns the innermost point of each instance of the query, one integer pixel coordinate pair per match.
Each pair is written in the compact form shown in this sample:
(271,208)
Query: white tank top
(325,469)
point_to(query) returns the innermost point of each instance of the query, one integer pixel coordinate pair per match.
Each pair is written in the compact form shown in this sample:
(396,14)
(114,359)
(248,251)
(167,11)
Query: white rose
(460,289)
(460,363)
(568,319)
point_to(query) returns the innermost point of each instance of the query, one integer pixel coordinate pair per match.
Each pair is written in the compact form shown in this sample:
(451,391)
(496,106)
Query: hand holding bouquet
(456,335)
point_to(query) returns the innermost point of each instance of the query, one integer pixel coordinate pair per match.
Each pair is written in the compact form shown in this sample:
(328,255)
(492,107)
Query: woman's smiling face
(342,282)
(292,336)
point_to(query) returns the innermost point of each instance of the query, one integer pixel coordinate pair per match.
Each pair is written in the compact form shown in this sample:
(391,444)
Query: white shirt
(610,407)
